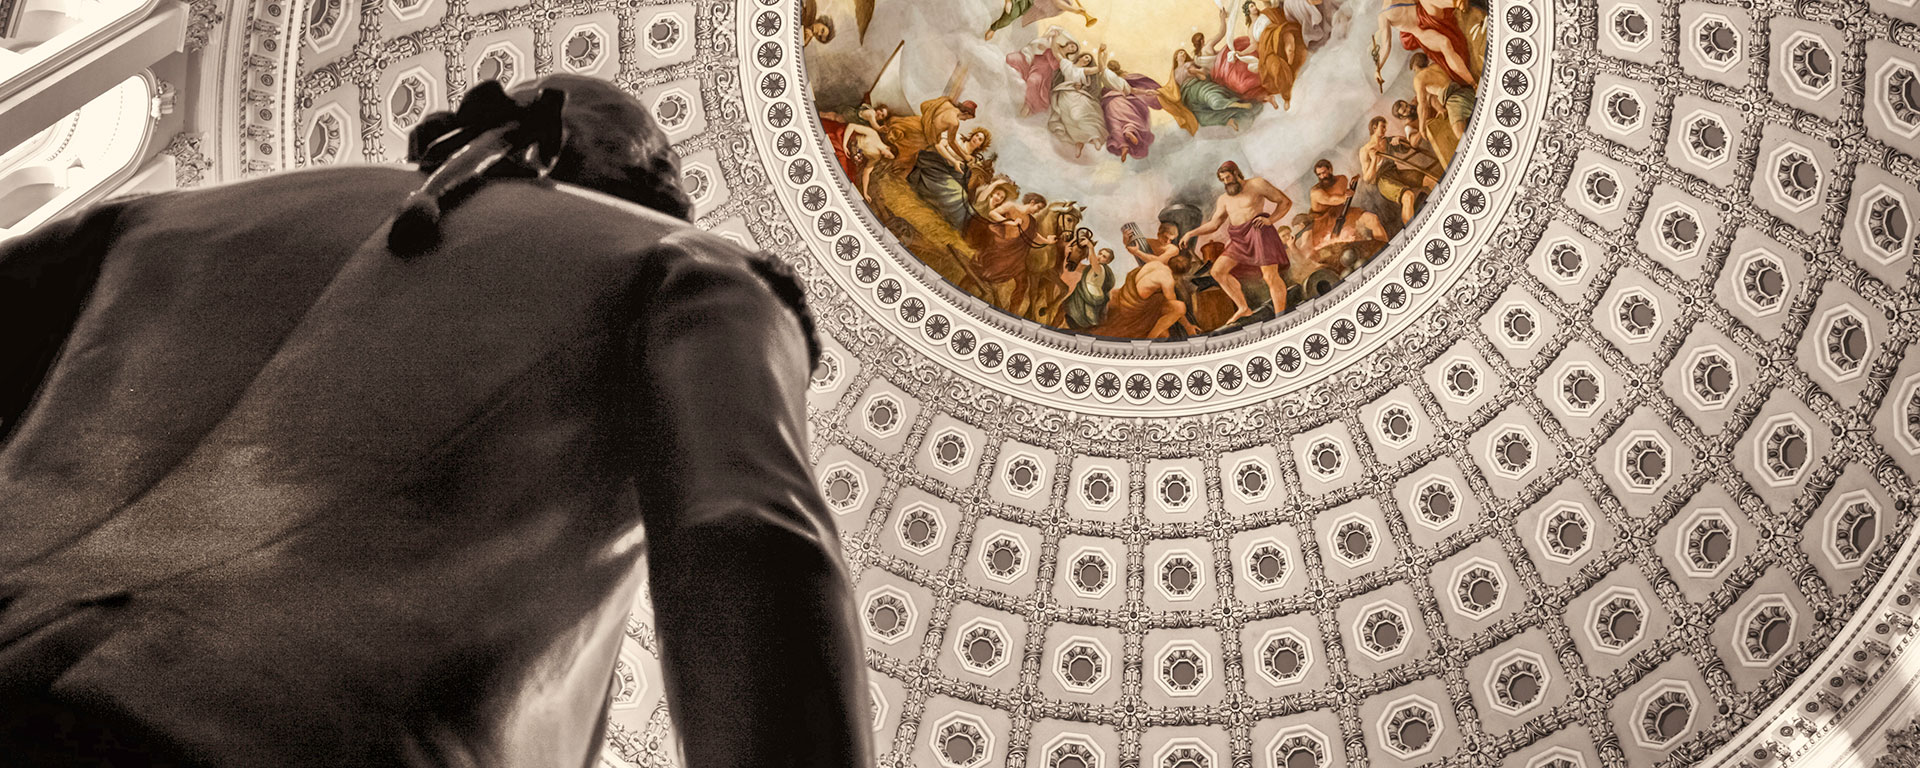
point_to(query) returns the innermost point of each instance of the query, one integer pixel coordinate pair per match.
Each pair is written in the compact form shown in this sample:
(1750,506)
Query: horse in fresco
(1045,294)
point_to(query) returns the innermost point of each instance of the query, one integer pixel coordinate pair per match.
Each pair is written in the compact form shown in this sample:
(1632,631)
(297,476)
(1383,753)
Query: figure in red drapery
(1445,24)
(836,135)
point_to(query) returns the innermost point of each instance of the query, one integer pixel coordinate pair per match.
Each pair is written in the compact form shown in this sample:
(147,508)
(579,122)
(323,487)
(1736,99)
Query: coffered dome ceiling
(1606,460)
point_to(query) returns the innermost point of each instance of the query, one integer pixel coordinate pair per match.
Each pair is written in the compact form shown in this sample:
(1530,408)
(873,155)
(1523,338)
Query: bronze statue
(288,479)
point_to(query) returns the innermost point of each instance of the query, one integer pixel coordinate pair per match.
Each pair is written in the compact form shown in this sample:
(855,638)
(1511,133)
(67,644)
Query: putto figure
(289,478)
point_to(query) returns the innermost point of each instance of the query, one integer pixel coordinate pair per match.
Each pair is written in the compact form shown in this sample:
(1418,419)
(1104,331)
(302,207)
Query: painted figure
(942,180)
(940,120)
(1251,238)
(1231,61)
(1045,292)
(818,28)
(857,144)
(1329,201)
(1146,304)
(1389,163)
(1075,118)
(1442,105)
(814,27)
(1428,27)
(987,201)
(1277,39)
(1087,305)
(1196,102)
(1029,11)
(1038,63)
(1003,261)
(1128,102)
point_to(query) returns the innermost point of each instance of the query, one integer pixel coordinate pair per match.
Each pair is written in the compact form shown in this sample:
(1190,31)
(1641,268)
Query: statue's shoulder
(682,242)
(723,255)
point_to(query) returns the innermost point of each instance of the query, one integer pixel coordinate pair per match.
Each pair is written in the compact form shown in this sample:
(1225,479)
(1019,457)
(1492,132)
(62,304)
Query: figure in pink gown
(1231,68)
(1039,66)
(1128,102)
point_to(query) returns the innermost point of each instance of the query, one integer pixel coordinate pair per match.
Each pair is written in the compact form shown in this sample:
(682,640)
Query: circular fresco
(1144,170)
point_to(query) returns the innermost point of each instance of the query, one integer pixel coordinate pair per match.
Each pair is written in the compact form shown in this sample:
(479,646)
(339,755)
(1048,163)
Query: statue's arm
(761,648)
(45,278)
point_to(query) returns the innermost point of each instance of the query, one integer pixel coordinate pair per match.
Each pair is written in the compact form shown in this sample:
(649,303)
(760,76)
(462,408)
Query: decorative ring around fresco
(1205,374)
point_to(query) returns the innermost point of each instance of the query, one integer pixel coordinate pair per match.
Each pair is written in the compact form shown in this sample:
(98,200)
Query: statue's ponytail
(489,136)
